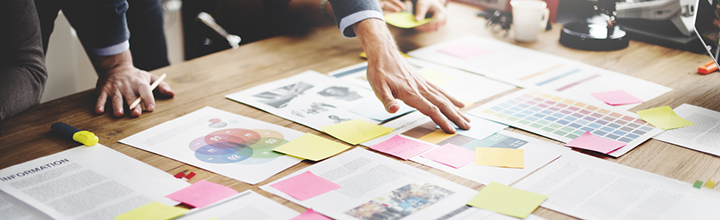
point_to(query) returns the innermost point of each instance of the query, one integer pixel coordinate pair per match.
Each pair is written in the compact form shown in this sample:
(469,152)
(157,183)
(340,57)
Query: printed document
(247,205)
(88,183)
(704,136)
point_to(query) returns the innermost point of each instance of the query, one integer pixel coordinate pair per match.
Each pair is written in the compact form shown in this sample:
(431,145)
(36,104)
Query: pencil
(152,87)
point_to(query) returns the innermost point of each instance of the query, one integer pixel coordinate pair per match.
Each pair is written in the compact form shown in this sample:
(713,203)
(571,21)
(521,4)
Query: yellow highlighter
(66,131)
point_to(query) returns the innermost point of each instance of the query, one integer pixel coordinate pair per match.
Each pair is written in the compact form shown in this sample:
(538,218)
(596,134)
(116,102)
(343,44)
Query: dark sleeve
(101,25)
(349,12)
(22,63)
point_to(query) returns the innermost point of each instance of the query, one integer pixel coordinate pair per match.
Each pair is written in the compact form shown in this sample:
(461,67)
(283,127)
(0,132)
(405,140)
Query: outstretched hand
(393,79)
(422,8)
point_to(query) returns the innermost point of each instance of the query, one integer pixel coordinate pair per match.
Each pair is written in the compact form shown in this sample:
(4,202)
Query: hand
(121,81)
(392,78)
(437,7)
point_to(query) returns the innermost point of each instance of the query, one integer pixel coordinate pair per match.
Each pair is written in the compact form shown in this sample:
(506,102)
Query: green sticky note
(311,147)
(153,211)
(507,200)
(710,184)
(698,184)
(663,117)
(355,131)
(405,19)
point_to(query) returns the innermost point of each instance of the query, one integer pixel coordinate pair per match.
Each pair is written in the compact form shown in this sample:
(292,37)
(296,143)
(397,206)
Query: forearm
(21,87)
(375,38)
(104,64)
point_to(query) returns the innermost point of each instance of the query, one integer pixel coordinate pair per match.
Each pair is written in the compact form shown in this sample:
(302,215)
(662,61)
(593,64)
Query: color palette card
(565,119)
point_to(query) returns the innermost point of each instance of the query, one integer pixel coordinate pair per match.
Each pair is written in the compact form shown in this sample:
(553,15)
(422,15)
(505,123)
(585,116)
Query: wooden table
(205,81)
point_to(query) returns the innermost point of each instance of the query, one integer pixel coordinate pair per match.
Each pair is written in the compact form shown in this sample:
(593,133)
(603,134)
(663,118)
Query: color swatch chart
(564,119)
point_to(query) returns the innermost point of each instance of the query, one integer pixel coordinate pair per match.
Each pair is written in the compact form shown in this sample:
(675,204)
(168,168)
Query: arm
(421,9)
(22,67)
(389,74)
(102,28)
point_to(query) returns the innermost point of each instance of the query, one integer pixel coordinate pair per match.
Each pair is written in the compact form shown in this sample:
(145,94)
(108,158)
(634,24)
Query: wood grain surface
(206,80)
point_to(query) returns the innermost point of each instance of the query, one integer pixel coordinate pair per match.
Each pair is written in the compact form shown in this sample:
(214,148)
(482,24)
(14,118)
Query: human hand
(393,79)
(392,5)
(437,7)
(124,82)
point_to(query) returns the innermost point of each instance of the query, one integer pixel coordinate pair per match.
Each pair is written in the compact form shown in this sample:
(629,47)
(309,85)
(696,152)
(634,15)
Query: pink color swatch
(401,147)
(451,155)
(202,193)
(464,51)
(617,97)
(310,214)
(305,186)
(594,143)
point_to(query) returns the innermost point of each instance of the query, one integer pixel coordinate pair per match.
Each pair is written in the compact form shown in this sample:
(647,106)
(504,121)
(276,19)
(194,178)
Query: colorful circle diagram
(237,145)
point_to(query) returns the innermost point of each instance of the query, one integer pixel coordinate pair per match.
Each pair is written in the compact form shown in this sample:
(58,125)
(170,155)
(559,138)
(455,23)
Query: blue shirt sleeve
(349,12)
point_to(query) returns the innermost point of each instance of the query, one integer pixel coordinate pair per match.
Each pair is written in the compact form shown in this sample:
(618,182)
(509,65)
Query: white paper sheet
(462,85)
(88,183)
(704,136)
(564,119)
(247,205)
(469,212)
(12,208)
(590,188)
(537,70)
(375,185)
(309,98)
(218,141)
(537,154)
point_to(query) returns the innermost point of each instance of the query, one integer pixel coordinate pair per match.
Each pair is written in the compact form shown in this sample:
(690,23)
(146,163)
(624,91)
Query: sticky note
(202,193)
(355,131)
(401,147)
(305,185)
(663,117)
(451,155)
(464,51)
(617,97)
(376,110)
(591,142)
(153,211)
(436,136)
(698,184)
(364,55)
(500,157)
(437,78)
(311,147)
(405,19)
(507,200)
(310,214)
(710,184)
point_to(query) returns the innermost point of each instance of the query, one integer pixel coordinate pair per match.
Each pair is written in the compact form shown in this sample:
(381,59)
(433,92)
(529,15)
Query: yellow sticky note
(355,131)
(311,147)
(507,200)
(153,211)
(710,184)
(405,19)
(663,117)
(214,219)
(436,136)
(500,157)
(438,78)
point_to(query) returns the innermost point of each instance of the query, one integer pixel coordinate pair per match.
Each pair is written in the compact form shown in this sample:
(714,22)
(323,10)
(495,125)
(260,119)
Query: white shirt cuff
(112,50)
(347,21)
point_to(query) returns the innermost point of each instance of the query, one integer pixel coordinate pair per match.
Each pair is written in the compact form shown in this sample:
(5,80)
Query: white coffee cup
(529,17)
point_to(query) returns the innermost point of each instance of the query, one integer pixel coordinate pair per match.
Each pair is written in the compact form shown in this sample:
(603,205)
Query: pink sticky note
(464,51)
(401,147)
(617,97)
(451,155)
(310,214)
(202,193)
(594,143)
(305,186)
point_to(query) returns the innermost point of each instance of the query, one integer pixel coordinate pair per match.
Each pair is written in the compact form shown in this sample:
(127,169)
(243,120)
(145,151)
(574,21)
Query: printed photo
(401,202)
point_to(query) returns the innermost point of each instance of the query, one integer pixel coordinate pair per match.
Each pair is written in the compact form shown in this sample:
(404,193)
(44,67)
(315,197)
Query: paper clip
(707,68)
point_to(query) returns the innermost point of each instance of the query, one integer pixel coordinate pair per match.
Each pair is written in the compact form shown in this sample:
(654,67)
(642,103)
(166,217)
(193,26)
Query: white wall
(70,70)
